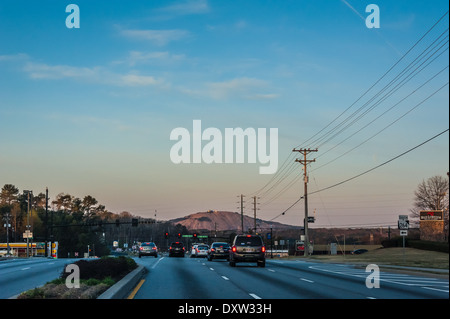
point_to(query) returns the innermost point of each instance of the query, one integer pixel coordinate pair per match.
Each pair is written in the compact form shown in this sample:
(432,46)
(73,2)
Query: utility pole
(46,222)
(254,209)
(305,162)
(242,213)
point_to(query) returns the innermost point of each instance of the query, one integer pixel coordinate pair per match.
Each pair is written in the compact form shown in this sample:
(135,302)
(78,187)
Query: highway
(192,278)
(18,275)
(189,278)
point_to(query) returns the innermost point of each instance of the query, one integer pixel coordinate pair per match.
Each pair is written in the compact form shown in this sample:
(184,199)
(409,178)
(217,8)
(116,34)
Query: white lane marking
(307,280)
(25,268)
(211,269)
(441,290)
(271,270)
(226,278)
(156,264)
(255,296)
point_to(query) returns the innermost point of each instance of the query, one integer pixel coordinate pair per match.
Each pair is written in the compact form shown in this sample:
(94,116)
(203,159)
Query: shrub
(112,267)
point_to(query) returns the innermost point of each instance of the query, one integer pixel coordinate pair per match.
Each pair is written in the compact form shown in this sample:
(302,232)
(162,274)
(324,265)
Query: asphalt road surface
(18,275)
(189,278)
(192,278)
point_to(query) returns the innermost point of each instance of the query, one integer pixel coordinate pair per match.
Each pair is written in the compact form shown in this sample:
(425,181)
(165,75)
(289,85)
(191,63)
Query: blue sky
(90,110)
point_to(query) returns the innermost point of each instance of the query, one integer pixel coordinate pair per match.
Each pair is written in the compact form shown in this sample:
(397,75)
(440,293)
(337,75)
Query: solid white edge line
(255,296)
(441,290)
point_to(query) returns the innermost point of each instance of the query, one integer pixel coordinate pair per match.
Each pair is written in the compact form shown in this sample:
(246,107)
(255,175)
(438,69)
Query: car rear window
(202,247)
(148,244)
(177,245)
(221,245)
(248,241)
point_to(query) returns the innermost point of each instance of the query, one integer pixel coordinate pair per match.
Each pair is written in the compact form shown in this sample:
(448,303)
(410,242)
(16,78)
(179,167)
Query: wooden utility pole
(305,162)
(254,210)
(242,213)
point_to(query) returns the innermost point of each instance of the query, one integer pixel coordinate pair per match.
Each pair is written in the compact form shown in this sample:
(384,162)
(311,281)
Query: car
(359,251)
(148,249)
(247,248)
(200,250)
(193,249)
(219,250)
(176,249)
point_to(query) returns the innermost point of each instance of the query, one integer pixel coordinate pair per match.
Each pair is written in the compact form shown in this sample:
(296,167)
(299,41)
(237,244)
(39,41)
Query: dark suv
(248,248)
(176,249)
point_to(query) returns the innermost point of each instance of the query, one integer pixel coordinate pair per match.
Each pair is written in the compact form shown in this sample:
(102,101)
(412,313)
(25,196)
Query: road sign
(403,233)
(187,236)
(403,222)
(27,234)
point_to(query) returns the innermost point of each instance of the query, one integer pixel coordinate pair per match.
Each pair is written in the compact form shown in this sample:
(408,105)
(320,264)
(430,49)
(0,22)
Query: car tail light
(233,249)
(263,249)
(141,248)
(212,249)
(170,247)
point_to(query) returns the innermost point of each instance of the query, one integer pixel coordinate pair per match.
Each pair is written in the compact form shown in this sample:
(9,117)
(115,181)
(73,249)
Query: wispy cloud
(98,75)
(139,57)
(187,7)
(246,88)
(14,57)
(157,37)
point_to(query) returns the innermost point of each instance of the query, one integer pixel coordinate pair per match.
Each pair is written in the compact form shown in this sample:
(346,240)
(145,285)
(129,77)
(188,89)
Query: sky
(90,110)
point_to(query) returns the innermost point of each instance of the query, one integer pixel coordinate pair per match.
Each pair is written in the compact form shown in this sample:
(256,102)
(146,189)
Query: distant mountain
(222,221)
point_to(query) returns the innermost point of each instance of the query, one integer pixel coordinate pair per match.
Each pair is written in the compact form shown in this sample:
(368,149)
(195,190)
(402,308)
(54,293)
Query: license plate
(249,250)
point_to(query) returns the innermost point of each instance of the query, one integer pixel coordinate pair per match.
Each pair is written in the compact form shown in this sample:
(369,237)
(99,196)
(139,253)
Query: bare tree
(432,194)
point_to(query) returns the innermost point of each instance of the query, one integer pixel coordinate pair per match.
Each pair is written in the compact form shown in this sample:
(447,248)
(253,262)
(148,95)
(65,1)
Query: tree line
(75,223)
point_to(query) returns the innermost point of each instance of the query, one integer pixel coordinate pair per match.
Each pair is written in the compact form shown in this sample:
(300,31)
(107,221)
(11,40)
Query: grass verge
(96,276)
(397,256)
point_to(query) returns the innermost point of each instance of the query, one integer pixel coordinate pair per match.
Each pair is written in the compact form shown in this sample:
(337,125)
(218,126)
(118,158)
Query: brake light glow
(233,249)
(263,249)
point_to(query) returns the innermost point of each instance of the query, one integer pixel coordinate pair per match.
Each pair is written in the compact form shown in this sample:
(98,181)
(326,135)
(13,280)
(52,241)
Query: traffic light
(195,235)
(134,222)
(166,235)
(117,222)
(179,235)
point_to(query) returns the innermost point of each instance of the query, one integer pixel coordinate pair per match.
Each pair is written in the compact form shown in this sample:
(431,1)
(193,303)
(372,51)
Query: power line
(363,173)
(286,169)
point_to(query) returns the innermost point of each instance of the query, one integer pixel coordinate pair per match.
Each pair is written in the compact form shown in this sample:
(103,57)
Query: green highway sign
(184,236)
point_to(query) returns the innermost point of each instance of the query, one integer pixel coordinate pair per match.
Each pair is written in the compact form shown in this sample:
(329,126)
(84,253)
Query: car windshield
(248,241)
